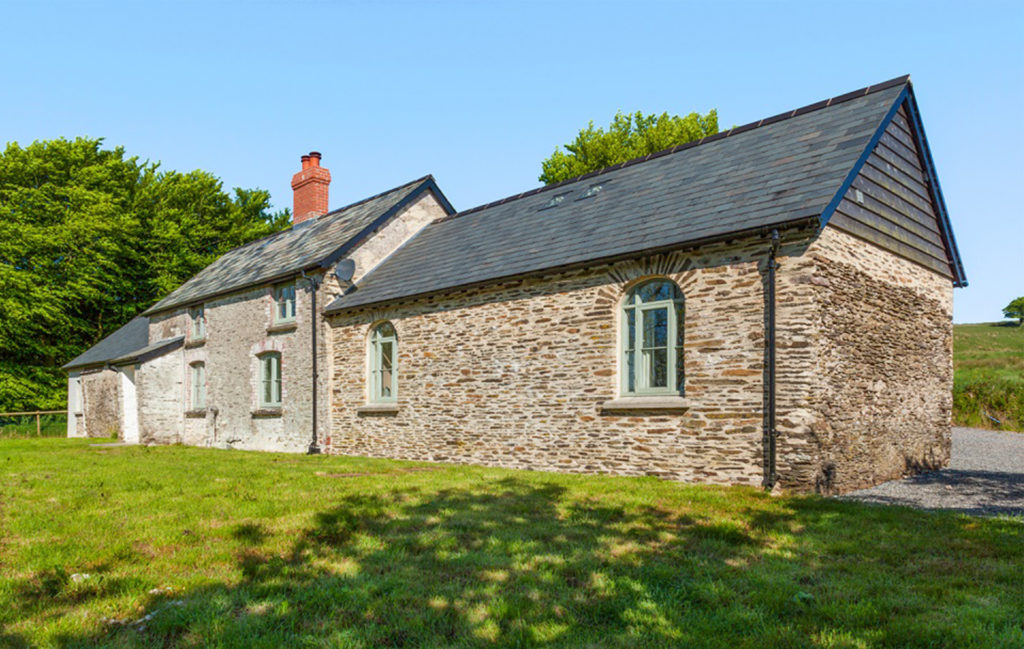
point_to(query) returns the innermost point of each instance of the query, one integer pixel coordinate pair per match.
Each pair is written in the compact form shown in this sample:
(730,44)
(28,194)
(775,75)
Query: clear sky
(479,93)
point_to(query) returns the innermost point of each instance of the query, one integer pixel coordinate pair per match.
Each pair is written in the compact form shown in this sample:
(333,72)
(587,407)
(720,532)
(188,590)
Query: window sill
(378,409)
(267,412)
(660,403)
(281,327)
(195,413)
(197,342)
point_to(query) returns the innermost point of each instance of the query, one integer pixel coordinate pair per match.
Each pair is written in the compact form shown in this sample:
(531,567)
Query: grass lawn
(235,549)
(988,382)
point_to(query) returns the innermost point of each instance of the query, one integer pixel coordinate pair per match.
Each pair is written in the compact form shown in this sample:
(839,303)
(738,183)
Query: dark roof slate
(300,247)
(151,350)
(129,339)
(761,175)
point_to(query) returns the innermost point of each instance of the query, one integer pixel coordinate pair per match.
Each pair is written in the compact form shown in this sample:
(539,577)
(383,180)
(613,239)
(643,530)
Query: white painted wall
(75,405)
(129,405)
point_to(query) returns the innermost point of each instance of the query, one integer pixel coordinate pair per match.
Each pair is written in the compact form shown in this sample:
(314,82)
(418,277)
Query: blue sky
(479,93)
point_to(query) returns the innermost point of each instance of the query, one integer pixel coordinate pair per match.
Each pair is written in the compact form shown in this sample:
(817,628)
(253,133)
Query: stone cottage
(769,305)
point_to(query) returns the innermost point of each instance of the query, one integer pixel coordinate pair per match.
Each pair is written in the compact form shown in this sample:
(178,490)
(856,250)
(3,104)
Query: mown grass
(988,382)
(234,549)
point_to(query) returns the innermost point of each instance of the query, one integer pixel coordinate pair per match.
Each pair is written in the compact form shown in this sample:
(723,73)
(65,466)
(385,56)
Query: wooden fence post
(39,428)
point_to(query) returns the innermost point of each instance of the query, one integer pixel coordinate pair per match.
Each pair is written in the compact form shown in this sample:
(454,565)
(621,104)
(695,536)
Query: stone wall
(100,400)
(239,327)
(884,364)
(515,374)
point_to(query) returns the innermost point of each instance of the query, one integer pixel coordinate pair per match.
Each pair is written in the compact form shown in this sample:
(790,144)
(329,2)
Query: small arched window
(652,339)
(383,357)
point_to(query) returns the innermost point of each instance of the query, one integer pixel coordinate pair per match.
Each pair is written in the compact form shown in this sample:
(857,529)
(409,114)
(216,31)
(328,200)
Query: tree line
(89,238)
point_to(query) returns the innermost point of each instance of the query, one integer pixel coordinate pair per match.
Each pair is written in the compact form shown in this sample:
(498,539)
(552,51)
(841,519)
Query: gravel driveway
(985,477)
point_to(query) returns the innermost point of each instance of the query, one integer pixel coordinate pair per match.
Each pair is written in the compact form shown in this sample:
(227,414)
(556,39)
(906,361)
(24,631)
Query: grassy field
(988,384)
(186,547)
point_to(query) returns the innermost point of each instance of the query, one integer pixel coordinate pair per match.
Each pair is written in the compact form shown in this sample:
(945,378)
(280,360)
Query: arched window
(652,339)
(383,357)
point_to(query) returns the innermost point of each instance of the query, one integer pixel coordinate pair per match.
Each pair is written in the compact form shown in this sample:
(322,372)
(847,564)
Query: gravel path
(985,477)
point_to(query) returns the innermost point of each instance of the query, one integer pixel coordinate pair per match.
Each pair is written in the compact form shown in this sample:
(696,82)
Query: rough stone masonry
(518,374)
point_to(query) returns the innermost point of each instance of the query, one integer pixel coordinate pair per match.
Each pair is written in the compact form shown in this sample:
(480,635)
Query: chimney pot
(309,188)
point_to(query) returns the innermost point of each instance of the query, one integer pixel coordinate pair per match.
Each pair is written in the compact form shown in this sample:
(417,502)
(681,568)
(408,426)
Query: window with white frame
(198,322)
(383,356)
(270,380)
(284,303)
(198,383)
(652,339)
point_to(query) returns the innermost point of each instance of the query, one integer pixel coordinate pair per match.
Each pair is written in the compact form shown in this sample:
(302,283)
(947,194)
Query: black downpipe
(314,284)
(771,433)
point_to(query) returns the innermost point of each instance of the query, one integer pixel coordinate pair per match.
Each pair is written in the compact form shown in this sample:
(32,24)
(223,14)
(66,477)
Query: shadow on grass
(517,563)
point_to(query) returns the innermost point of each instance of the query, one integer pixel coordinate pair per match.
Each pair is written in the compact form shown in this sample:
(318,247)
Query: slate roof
(765,174)
(150,351)
(317,242)
(129,339)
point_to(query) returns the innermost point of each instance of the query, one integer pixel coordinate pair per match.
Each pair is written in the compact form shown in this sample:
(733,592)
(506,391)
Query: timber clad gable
(771,305)
(890,202)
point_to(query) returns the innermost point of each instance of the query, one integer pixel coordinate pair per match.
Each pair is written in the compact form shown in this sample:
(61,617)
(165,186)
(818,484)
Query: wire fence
(36,423)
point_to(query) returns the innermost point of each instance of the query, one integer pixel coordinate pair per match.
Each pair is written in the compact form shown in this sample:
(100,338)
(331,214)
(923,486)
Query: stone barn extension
(771,305)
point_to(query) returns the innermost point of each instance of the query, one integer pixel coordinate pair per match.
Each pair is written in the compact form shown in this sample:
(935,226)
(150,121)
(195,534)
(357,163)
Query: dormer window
(198,322)
(284,303)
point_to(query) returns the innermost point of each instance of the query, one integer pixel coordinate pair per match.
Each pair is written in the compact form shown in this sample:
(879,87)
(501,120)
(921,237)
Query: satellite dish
(344,271)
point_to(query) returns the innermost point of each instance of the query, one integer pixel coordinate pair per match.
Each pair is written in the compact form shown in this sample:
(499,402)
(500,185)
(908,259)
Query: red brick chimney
(310,187)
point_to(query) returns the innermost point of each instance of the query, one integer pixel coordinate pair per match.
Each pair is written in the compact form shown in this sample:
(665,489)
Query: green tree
(628,136)
(1015,309)
(88,239)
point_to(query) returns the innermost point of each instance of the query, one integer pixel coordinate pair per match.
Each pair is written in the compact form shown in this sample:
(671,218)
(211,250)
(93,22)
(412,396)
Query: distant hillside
(988,384)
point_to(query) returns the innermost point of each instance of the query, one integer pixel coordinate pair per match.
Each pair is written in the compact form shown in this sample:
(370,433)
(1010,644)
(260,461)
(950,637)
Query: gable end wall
(883,358)
(890,204)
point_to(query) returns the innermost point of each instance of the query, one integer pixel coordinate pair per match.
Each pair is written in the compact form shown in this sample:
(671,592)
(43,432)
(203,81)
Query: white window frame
(197,393)
(284,303)
(269,387)
(379,341)
(198,314)
(635,378)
